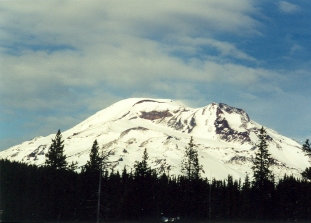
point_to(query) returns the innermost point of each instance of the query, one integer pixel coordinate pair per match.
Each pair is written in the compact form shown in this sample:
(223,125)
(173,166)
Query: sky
(63,60)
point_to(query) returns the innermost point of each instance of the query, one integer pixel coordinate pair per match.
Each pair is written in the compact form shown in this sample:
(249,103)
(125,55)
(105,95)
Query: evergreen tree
(94,164)
(262,161)
(246,184)
(307,147)
(72,166)
(96,176)
(307,173)
(144,178)
(141,168)
(55,157)
(190,164)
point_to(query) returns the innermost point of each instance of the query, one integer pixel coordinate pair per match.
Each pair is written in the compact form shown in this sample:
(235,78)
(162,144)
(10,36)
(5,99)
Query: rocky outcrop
(226,133)
(153,115)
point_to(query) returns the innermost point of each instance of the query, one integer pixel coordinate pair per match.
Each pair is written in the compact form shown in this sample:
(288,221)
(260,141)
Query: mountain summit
(225,138)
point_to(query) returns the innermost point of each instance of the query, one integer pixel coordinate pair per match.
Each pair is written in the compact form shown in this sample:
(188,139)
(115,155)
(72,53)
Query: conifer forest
(56,192)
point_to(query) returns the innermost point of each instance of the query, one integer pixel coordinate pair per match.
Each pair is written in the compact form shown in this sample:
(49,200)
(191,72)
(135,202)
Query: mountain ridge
(225,137)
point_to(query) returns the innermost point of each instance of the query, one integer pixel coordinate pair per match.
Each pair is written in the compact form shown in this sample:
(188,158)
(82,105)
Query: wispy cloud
(288,7)
(194,46)
(89,44)
(74,57)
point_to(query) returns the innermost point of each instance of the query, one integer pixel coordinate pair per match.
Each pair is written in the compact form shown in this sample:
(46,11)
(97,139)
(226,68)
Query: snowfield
(224,136)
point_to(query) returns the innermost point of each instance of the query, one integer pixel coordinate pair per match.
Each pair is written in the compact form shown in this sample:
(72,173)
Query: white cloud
(68,55)
(38,76)
(192,45)
(295,48)
(287,7)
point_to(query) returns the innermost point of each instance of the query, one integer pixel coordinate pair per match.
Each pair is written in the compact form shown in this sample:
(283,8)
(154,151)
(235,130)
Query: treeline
(55,192)
(30,193)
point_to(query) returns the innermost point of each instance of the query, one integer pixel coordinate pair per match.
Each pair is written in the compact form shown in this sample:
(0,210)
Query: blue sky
(61,61)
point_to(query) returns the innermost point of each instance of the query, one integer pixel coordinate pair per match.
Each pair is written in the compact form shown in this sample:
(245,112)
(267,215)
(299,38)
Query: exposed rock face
(153,115)
(36,152)
(239,159)
(146,100)
(176,123)
(228,134)
(133,129)
(231,110)
(223,128)
(225,138)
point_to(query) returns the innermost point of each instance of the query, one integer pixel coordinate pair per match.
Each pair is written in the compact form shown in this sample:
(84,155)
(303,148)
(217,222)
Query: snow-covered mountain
(225,138)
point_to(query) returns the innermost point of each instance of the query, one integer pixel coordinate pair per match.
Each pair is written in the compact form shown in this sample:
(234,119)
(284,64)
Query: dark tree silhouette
(190,164)
(306,174)
(55,157)
(306,147)
(262,161)
(142,168)
(94,164)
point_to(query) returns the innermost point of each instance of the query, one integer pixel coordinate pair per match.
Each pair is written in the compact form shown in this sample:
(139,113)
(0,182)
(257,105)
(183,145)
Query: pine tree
(144,179)
(95,172)
(262,161)
(306,174)
(246,184)
(95,160)
(307,147)
(141,168)
(190,164)
(55,157)
(263,183)
(72,166)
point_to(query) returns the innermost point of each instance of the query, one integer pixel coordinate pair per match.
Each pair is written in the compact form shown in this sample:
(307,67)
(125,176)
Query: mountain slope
(224,136)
